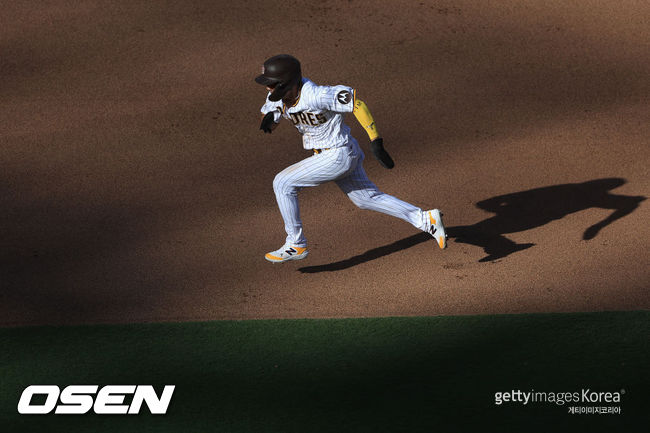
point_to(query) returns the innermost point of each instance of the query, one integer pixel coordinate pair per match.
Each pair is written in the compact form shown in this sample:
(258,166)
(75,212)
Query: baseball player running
(317,112)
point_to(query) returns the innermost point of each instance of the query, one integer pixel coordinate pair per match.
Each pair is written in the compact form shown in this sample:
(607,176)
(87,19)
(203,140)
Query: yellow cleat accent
(286,253)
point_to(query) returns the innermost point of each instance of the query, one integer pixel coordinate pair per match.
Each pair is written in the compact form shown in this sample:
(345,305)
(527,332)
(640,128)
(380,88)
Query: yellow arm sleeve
(364,117)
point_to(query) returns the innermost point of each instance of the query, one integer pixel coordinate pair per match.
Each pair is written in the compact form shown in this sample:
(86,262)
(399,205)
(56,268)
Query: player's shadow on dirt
(516,212)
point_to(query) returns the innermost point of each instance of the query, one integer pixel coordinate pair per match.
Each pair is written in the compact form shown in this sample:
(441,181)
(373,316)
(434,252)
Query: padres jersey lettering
(313,119)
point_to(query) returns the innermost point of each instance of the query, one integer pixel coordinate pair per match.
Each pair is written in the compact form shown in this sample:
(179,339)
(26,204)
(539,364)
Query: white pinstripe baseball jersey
(317,114)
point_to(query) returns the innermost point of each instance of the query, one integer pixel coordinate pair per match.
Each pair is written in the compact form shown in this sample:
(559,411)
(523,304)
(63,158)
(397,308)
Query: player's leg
(312,171)
(365,194)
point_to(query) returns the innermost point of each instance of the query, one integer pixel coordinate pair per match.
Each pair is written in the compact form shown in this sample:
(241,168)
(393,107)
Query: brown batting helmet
(280,73)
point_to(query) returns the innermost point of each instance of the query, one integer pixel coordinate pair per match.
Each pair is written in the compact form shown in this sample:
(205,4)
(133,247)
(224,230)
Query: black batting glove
(377,148)
(267,122)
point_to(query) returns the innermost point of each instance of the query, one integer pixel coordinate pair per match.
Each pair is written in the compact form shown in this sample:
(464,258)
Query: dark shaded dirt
(135,185)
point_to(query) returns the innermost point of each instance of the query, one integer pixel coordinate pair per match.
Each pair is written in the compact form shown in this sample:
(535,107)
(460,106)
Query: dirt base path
(135,185)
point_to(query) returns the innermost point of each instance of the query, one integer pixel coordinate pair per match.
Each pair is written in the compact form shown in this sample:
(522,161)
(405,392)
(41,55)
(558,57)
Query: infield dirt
(135,185)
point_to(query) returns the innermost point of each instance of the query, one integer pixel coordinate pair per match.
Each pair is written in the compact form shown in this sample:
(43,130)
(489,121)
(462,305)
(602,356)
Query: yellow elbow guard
(364,117)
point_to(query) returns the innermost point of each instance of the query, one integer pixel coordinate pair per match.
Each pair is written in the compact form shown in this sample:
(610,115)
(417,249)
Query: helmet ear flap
(282,88)
(279,91)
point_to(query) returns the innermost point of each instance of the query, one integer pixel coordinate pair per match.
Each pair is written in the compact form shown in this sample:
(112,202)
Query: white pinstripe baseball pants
(344,165)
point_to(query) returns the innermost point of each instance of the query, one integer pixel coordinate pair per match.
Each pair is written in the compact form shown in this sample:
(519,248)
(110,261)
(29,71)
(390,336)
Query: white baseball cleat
(436,228)
(286,253)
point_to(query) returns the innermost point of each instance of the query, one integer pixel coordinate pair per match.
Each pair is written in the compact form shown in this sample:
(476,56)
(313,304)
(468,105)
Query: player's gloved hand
(267,123)
(377,148)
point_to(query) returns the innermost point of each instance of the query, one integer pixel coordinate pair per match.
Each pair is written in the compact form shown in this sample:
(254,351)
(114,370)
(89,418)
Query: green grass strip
(427,374)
